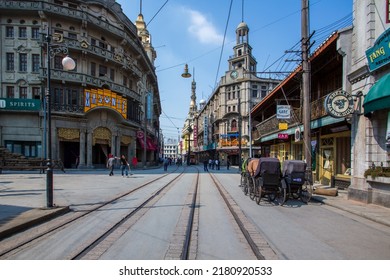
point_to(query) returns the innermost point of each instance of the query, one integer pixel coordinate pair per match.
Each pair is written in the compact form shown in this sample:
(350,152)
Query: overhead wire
(223,42)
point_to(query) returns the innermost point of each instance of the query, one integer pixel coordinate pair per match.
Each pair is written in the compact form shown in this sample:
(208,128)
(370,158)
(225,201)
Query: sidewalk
(22,199)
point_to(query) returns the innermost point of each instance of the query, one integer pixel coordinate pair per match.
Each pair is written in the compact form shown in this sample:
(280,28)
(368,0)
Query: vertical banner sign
(195,135)
(149,105)
(206,131)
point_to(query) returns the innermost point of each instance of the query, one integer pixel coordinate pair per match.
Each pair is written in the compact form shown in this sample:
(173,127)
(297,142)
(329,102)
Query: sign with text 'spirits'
(104,98)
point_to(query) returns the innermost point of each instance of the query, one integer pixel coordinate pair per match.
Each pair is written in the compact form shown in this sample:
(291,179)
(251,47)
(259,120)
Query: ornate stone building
(221,127)
(109,104)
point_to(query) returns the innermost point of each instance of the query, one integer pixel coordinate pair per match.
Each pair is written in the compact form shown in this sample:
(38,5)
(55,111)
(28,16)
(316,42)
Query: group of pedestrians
(125,165)
(214,164)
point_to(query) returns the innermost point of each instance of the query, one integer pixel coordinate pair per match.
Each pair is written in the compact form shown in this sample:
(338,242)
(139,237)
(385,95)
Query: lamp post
(68,64)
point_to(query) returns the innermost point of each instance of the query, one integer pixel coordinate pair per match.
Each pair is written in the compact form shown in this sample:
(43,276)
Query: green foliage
(377,171)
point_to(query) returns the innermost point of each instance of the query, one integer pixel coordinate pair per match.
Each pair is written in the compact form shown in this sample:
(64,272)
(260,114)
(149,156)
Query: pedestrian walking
(166,163)
(125,167)
(228,164)
(205,163)
(217,164)
(134,162)
(111,163)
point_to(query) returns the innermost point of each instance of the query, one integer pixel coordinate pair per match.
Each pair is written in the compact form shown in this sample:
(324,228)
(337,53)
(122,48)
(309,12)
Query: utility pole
(306,84)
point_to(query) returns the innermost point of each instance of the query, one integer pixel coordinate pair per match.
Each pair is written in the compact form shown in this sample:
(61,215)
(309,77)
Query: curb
(29,219)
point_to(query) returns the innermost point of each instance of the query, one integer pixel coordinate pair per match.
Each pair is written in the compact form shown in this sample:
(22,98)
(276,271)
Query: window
(254,91)
(35,33)
(9,32)
(23,92)
(233,125)
(10,92)
(28,149)
(23,62)
(35,62)
(22,32)
(124,80)
(10,62)
(36,93)
(93,42)
(58,62)
(93,69)
(102,70)
(72,35)
(112,74)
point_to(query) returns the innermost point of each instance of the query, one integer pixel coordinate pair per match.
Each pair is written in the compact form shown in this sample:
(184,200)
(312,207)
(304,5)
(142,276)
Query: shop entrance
(326,161)
(69,153)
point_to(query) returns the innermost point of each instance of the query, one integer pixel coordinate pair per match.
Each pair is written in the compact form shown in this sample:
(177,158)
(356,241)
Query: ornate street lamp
(69,64)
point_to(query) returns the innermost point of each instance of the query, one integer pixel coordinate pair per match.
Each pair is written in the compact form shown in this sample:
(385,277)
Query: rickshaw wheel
(252,189)
(258,191)
(306,191)
(243,181)
(246,188)
(282,197)
(272,196)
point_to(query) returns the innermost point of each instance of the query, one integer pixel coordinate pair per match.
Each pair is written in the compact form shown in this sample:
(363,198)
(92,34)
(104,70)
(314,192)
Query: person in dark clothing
(205,163)
(125,166)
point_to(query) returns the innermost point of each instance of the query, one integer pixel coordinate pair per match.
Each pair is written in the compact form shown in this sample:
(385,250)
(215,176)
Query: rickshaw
(265,179)
(295,182)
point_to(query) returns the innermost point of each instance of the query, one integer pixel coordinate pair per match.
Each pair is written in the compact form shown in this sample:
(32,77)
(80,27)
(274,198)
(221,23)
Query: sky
(201,33)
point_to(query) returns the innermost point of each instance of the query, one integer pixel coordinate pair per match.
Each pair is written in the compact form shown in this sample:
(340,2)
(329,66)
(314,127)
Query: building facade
(370,79)
(279,116)
(221,127)
(109,104)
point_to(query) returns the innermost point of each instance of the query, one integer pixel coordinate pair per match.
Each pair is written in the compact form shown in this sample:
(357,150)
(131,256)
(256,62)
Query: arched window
(233,125)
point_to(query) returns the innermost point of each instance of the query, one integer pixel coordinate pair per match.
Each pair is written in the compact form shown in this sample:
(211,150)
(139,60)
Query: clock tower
(242,58)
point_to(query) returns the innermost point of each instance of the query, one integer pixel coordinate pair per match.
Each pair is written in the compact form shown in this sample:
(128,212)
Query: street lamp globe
(68,63)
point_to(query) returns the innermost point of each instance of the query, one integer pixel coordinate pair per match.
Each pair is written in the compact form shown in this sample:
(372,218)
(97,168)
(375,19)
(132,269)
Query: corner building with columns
(109,104)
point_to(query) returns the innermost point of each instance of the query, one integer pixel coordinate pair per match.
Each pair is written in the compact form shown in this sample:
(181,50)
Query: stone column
(89,149)
(82,149)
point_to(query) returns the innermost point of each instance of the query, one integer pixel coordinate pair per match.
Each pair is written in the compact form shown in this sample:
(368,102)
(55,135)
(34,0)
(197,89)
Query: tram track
(184,241)
(14,245)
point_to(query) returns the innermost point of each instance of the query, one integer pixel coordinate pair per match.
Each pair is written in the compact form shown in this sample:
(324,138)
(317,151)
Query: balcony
(271,125)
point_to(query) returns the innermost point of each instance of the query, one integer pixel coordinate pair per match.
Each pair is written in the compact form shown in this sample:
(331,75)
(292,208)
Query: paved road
(295,231)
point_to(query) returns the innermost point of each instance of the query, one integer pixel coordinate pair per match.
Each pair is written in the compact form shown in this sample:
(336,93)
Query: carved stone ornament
(68,133)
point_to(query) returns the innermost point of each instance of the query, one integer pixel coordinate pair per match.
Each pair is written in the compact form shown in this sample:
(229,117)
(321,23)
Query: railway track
(183,243)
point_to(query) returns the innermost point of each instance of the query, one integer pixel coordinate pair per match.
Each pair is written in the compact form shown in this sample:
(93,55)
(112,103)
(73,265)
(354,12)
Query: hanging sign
(283,126)
(339,104)
(283,136)
(283,111)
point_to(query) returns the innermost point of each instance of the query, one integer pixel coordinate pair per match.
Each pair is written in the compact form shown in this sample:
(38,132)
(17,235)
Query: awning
(150,146)
(378,97)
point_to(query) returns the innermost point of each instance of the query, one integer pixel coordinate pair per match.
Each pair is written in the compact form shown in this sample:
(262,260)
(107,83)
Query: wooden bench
(31,164)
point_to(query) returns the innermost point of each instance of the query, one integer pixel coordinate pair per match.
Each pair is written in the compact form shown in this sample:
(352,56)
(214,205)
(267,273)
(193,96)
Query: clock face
(234,74)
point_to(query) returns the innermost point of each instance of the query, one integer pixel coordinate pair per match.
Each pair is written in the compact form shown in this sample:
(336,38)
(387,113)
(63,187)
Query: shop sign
(283,111)
(379,55)
(104,98)
(339,104)
(20,104)
(283,126)
(283,136)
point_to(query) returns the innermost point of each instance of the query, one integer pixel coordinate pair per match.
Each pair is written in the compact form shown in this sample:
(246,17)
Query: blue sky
(193,32)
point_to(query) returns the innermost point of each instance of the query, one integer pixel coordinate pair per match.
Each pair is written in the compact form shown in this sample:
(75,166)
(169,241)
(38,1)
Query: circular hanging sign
(339,104)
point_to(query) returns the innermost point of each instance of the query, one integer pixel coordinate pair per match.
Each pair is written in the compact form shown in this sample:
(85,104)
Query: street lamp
(68,64)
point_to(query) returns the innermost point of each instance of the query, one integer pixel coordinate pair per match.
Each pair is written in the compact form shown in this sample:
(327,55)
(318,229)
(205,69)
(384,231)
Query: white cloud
(202,29)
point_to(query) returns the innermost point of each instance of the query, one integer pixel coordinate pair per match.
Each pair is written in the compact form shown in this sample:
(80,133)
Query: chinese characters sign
(104,98)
